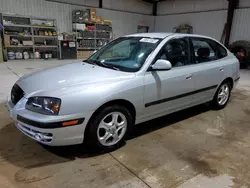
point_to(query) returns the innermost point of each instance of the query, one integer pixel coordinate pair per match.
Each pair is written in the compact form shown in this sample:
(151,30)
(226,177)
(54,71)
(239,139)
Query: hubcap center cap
(112,130)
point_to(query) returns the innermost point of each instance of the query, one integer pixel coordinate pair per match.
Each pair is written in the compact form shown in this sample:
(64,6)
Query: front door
(170,90)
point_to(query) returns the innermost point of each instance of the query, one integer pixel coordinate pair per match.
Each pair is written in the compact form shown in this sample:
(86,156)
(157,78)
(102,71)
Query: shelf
(92,23)
(86,48)
(34,26)
(103,23)
(93,30)
(45,46)
(91,38)
(44,27)
(40,36)
(16,25)
(19,46)
(103,38)
(103,31)
(82,22)
(28,36)
(85,38)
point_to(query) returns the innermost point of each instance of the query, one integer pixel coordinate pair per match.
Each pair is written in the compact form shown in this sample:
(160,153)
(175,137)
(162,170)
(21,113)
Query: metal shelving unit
(14,24)
(90,40)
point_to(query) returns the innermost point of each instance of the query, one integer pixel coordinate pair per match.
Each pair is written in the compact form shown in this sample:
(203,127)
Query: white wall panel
(126,23)
(204,5)
(204,23)
(184,6)
(91,3)
(241,26)
(129,5)
(123,23)
(244,3)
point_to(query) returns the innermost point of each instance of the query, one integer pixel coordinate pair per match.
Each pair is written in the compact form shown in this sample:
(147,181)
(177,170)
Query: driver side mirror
(161,64)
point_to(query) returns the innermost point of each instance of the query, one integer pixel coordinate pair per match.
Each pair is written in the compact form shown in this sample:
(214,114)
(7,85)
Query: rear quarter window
(206,50)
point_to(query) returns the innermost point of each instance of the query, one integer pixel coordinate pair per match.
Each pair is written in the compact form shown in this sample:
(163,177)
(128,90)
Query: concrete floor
(197,147)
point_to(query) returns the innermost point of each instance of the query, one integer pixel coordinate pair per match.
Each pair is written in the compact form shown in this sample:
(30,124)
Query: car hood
(70,75)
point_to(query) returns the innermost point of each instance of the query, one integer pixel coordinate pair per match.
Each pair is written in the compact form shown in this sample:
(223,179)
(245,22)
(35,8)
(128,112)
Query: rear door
(210,61)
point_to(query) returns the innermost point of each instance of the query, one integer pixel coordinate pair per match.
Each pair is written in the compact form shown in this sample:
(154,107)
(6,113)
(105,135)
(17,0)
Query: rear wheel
(222,95)
(108,129)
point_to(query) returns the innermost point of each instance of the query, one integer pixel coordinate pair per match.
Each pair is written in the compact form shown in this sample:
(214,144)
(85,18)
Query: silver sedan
(131,80)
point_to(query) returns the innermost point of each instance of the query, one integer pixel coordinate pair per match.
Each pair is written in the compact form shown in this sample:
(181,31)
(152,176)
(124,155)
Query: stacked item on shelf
(92,32)
(24,37)
(84,54)
(103,27)
(1,50)
(87,44)
(67,46)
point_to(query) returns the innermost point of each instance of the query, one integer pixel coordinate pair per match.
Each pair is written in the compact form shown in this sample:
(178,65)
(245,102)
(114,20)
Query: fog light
(38,136)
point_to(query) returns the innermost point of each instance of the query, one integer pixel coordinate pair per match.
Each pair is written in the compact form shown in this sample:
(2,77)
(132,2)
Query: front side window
(206,50)
(125,54)
(176,51)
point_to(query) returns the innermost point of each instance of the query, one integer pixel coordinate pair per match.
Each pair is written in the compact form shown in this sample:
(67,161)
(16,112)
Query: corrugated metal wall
(188,6)
(123,22)
(91,3)
(137,6)
(206,16)
(205,23)
(129,5)
(241,26)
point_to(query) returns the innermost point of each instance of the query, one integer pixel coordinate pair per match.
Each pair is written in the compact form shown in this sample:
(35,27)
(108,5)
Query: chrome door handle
(189,77)
(221,69)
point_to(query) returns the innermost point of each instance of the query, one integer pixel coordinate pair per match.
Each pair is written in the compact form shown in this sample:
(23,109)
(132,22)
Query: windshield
(125,54)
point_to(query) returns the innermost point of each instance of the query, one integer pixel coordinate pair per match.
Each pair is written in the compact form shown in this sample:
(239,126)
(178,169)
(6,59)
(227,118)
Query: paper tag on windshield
(148,40)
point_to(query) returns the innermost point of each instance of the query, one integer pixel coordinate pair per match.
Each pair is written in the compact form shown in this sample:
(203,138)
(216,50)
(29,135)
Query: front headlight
(44,105)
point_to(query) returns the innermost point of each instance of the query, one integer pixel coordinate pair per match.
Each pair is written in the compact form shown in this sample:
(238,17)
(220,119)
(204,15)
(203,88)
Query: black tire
(91,138)
(245,46)
(215,103)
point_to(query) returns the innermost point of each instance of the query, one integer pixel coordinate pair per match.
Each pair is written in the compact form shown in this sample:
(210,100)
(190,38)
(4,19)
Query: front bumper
(47,135)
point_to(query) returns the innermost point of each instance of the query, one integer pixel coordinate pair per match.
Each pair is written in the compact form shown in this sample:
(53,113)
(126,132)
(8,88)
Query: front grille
(16,94)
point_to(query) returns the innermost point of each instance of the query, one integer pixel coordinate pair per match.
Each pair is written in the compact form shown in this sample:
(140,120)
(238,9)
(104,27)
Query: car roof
(164,35)
(151,35)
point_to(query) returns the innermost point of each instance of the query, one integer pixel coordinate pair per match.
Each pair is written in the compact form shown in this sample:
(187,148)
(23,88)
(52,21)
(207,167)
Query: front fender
(91,97)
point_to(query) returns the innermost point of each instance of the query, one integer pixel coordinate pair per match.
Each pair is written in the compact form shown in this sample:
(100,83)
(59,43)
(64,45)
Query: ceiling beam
(155,8)
(100,4)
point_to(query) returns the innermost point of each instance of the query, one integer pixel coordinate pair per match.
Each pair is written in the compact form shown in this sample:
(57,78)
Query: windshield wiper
(99,63)
(106,65)
(87,61)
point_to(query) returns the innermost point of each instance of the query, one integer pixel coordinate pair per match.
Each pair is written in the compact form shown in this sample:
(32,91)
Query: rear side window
(206,50)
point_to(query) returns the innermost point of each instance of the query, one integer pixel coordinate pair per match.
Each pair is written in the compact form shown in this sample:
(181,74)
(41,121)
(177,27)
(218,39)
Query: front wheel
(222,95)
(108,129)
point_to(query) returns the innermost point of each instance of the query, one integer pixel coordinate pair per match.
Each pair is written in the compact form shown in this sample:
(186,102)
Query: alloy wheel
(223,94)
(112,128)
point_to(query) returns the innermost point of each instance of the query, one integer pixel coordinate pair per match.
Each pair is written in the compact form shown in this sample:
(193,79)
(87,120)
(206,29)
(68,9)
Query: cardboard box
(80,27)
(28,43)
(81,16)
(68,36)
(6,40)
(1,52)
(98,19)
(92,14)
(84,54)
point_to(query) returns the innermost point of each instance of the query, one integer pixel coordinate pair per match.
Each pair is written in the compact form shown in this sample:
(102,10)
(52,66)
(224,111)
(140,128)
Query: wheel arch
(127,104)
(230,80)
